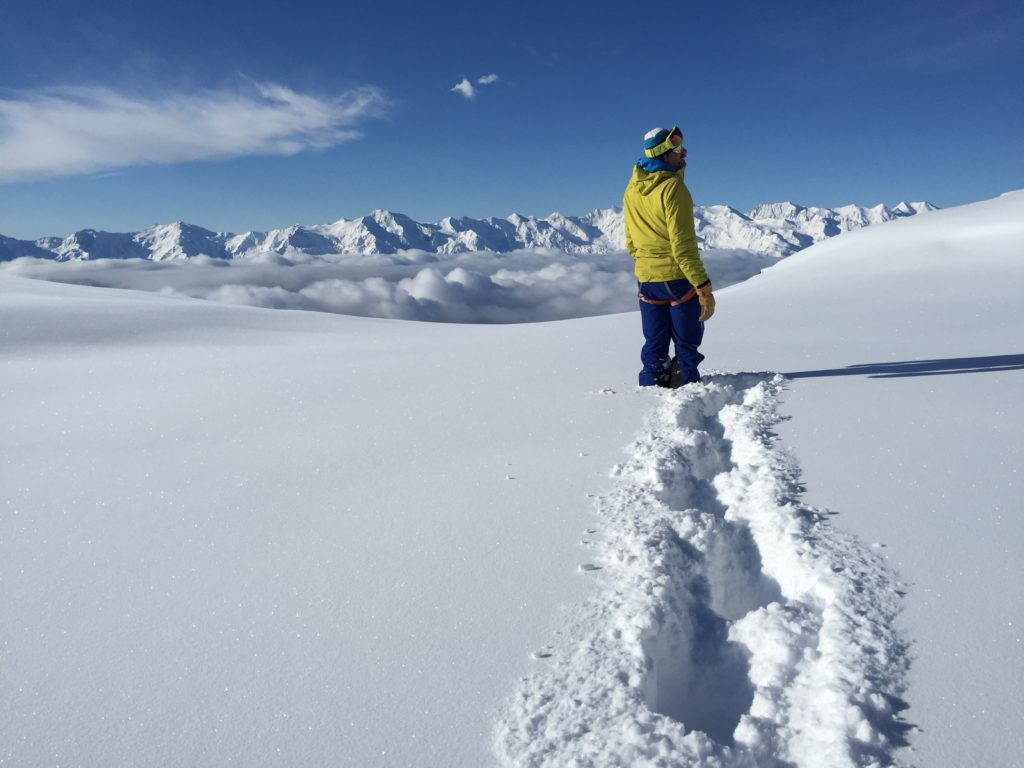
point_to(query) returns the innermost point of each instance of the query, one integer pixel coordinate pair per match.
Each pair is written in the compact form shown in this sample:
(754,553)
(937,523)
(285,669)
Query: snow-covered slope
(94,244)
(240,535)
(180,241)
(902,349)
(900,400)
(777,230)
(12,249)
(234,535)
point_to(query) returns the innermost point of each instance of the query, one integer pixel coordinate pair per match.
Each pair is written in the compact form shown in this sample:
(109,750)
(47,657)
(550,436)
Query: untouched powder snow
(245,536)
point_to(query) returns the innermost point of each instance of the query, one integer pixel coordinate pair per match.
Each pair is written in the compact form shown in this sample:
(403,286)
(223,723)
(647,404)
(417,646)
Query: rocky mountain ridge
(775,229)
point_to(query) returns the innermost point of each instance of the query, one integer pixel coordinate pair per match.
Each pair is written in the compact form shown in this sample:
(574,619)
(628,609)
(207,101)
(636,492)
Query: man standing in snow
(660,236)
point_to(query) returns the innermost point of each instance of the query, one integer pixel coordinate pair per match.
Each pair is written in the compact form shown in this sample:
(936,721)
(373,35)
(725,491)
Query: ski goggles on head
(673,142)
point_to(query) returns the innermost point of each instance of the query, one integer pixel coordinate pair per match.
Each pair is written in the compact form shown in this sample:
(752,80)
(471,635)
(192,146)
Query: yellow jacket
(658,213)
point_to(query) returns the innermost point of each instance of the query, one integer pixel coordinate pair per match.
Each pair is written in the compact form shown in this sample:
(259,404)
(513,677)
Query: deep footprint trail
(735,626)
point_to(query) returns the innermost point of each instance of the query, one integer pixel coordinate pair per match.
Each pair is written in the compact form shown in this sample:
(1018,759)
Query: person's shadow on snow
(919,368)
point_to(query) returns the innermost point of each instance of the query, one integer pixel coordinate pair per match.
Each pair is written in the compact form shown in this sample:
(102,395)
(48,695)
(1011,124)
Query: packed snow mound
(778,230)
(735,626)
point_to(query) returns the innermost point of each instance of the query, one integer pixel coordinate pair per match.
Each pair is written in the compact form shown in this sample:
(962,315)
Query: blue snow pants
(663,323)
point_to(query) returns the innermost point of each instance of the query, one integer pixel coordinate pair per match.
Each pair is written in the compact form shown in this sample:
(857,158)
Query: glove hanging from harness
(707,301)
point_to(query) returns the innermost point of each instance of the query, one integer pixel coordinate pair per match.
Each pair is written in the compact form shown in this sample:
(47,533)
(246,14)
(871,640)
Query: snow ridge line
(736,627)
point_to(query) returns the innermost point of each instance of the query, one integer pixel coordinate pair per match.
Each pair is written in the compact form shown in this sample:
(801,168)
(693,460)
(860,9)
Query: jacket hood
(646,182)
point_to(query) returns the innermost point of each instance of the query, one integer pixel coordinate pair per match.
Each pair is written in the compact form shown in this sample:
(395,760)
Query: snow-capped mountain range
(776,229)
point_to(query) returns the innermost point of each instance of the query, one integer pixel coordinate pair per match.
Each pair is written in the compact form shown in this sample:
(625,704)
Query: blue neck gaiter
(652,164)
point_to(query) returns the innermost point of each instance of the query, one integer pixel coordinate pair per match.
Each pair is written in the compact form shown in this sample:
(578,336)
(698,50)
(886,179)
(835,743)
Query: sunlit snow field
(235,535)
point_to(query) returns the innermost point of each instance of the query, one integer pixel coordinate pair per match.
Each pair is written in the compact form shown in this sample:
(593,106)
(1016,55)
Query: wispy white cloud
(64,131)
(467,89)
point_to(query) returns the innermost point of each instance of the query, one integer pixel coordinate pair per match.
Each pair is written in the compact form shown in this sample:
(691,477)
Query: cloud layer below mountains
(478,287)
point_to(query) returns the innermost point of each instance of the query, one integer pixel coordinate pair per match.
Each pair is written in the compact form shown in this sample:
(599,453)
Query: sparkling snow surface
(243,536)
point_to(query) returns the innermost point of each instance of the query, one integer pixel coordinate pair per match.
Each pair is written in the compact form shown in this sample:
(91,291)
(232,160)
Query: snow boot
(670,377)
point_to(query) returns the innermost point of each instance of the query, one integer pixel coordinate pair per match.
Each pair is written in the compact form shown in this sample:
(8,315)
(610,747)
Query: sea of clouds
(531,285)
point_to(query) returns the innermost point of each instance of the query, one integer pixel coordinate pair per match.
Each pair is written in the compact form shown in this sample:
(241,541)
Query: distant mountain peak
(775,229)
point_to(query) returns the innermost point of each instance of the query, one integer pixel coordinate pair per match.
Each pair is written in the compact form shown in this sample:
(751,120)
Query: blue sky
(255,115)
